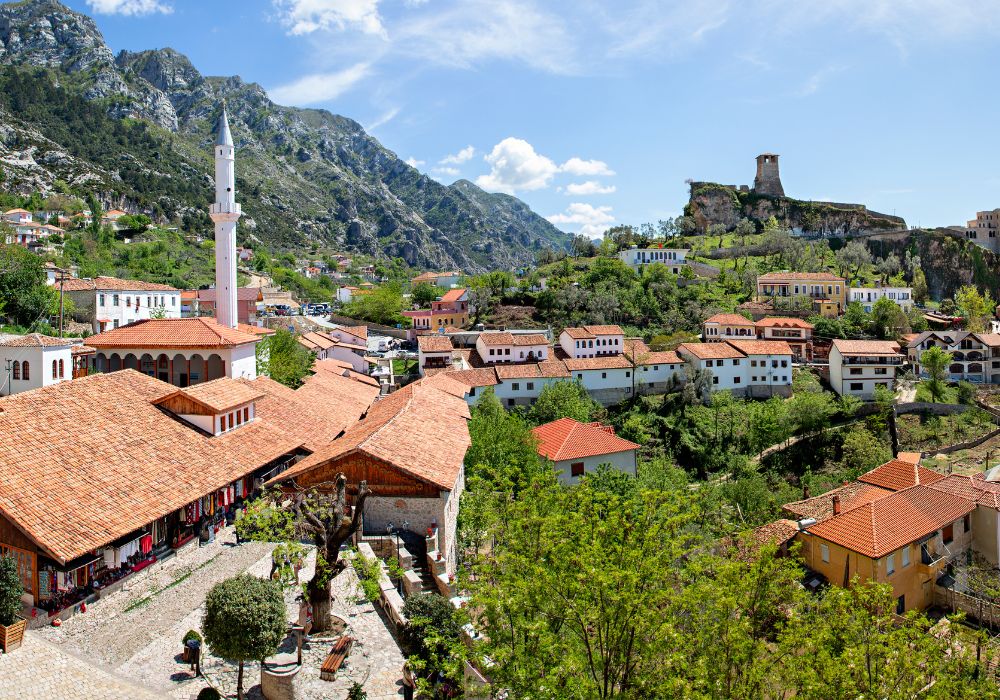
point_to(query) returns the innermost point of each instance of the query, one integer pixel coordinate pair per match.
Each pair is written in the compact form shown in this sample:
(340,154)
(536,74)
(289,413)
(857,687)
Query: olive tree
(244,620)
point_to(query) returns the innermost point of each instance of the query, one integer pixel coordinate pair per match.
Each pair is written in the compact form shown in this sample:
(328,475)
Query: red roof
(761,347)
(783,322)
(710,351)
(729,320)
(36,340)
(453,295)
(851,495)
(113,284)
(434,343)
(866,347)
(567,438)
(604,362)
(496,338)
(604,330)
(897,475)
(807,276)
(176,333)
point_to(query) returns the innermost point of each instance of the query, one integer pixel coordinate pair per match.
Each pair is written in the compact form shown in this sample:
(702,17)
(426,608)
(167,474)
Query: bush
(191,634)
(11,591)
(429,614)
(209,694)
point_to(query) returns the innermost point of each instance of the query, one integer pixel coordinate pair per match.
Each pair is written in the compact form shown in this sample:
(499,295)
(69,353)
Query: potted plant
(11,623)
(191,635)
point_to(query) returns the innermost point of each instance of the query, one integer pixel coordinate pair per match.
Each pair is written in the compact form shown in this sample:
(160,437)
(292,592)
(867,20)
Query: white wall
(39,365)
(242,361)
(599,379)
(841,378)
(766,373)
(656,374)
(128,313)
(901,296)
(347,355)
(622,461)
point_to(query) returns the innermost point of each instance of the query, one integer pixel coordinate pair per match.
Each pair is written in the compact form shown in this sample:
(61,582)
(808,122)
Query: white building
(345,294)
(328,347)
(225,212)
(858,366)
(34,360)
(975,357)
(109,302)
(756,368)
(433,353)
(504,347)
(608,380)
(725,326)
(867,296)
(674,258)
(576,449)
(592,341)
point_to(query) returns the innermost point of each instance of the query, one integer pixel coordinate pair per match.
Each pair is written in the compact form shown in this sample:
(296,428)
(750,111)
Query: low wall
(378,327)
(390,600)
(938,409)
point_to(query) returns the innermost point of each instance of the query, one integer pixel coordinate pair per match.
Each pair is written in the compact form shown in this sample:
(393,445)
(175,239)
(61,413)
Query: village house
(867,296)
(180,351)
(794,331)
(575,449)
(521,385)
(858,366)
(450,311)
(592,341)
(110,218)
(433,354)
(34,360)
(756,368)
(826,292)
(975,357)
(503,347)
(656,371)
(673,258)
(109,302)
(438,279)
(330,347)
(725,326)
(247,299)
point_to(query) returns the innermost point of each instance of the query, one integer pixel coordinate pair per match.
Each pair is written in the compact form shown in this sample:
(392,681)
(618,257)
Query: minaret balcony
(226,208)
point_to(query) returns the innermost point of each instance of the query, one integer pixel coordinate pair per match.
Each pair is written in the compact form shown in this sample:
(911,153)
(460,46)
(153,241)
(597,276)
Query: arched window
(25,370)
(55,373)
(61,368)
(17,370)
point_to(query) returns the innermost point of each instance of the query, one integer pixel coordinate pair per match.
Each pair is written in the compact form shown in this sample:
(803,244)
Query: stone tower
(225,213)
(768,181)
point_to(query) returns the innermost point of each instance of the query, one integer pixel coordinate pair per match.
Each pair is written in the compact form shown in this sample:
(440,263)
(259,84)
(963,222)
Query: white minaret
(225,213)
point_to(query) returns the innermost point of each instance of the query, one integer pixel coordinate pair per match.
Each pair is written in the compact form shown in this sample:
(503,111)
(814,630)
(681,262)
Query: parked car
(383,345)
(282,310)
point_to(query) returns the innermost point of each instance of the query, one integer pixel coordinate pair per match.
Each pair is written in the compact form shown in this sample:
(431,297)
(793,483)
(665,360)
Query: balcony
(867,360)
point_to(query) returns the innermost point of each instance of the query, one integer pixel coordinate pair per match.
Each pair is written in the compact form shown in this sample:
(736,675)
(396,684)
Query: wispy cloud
(462,156)
(414,163)
(587,188)
(383,118)
(129,7)
(815,81)
(308,16)
(578,166)
(319,87)
(593,221)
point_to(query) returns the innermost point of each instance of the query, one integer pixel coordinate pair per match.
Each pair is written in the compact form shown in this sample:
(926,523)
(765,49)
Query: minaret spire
(225,213)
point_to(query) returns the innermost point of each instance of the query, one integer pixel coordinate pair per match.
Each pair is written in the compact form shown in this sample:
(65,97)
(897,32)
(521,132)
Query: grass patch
(924,394)
(146,599)
(922,432)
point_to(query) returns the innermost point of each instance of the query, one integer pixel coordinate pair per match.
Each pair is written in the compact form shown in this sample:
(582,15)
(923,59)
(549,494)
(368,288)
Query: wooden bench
(335,658)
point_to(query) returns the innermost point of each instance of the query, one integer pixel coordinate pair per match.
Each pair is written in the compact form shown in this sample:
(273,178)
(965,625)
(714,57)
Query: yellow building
(827,292)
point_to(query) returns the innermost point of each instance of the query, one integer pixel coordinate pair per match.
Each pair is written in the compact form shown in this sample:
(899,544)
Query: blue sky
(596,113)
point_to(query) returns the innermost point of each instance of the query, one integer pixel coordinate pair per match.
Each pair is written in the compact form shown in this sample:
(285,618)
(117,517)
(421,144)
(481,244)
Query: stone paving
(133,637)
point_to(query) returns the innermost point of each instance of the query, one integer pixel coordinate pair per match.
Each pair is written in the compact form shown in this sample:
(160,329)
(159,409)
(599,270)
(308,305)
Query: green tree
(24,296)
(852,258)
(244,620)
(280,357)
(503,450)
(424,293)
(812,410)
(888,321)
(935,362)
(96,212)
(432,636)
(975,308)
(563,399)
(11,590)
(862,451)
(382,305)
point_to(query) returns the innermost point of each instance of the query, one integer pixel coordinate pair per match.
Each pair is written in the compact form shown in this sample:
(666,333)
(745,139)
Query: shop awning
(71,565)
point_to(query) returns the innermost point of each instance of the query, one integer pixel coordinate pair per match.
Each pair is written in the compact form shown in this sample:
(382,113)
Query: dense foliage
(11,590)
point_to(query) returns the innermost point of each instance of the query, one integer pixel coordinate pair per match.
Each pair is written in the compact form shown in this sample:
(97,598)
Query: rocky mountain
(306,175)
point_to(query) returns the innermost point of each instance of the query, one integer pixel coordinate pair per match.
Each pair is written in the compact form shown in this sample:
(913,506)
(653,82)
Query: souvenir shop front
(204,517)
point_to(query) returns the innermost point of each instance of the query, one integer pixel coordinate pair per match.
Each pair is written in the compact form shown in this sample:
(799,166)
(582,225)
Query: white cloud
(515,165)
(129,7)
(319,87)
(578,166)
(414,163)
(308,16)
(383,118)
(588,187)
(450,172)
(593,221)
(460,157)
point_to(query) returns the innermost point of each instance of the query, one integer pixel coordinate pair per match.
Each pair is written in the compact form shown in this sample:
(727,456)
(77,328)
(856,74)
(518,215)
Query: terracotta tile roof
(882,526)
(221,394)
(114,284)
(16,211)
(446,383)
(639,353)
(434,343)
(475,377)
(567,438)
(783,322)
(779,532)
(866,347)
(761,347)
(242,294)
(339,367)
(897,475)
(496,338)
(606,362)
(82,350)
(37,340)
(989,339)
(710,351)
(189,295)
(808,276)
(176,333)
(851,495)
(87,461)
(360,332)
(316,341)
(419,430)
(729,320)
(530,339)
(525,371)
(973,488)
(553,368)
(453,295)
(578,333)
(604,330)
(911,457)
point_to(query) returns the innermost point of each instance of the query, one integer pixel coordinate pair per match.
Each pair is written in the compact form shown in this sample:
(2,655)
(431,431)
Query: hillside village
(751,451)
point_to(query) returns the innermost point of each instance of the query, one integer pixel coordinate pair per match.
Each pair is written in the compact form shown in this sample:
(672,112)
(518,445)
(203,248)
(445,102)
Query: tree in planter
(11,591)
(244,620)
(315,512)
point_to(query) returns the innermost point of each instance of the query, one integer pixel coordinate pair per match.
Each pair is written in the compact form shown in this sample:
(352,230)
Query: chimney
(836,505)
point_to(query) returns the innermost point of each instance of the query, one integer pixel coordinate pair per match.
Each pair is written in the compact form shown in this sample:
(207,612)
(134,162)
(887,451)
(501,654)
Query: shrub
(11,591)
(427,614)
(191,634)
(209,694)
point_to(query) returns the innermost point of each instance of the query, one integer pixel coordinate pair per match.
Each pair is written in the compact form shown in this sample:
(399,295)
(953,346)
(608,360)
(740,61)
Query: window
(857,386)
(576,469)
(26,370)
(905,556)
(901,605)
(736,380)
(246,414)
(491,351)
(239,418)
(531,386)
(715,380)
(173,301)
(784,363)
(506,351)
(967,523)
(604,375)
(855,370)
(230,421)
(17,370)
(708,363)
(753,363)
(515,386)
(736,363)
(55,373)
(510,402)
(890,564)
(115,323)
(472,391)
(628,373)
(824,553)
(128,301)
(114,302)
(102,300)
(61,370)
(948,533)
(579,375)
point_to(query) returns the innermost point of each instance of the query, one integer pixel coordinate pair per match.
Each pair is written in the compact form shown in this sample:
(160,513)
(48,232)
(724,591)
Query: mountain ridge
(307,175)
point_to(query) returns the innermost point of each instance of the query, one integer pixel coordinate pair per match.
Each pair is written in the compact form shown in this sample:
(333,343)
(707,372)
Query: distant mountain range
(136,129)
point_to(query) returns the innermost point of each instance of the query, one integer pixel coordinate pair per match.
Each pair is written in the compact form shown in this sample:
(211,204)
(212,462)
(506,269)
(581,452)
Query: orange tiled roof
(779,532)
(866,347)
(530,339)
(316,341)
(884,525)
(567,438)
(604,330)
(360,332)
(761,347)
(176,333)
(475,377)
(578,333)
(552,368)
(851,495)
(974,488)
(114,284)
(783,322)
(605,362)
(496,338)
(729,320)
(640,354)
(453,295)
(220,394)
(446,383)
(808,276)
(339,367)
(524,371)
(87,461)
(897,475)
(911,457)
(710,351)
(419,430)
(37,340)
(434,343)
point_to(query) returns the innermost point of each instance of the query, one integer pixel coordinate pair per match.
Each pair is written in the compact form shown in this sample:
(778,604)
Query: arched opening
(147,365)
(130,362)
(163,368)
(975,368)
(955,369)
(215,368)
(114,362)
(196,372)
(179,367)
(958,355)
